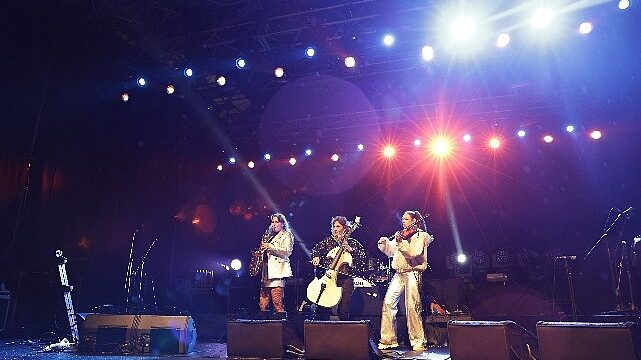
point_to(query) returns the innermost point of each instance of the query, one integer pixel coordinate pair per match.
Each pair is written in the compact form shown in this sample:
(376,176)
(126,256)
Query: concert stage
(32,349)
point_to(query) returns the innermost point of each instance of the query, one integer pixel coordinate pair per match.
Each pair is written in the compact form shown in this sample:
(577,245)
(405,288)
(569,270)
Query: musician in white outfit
(276,256)
(408,250)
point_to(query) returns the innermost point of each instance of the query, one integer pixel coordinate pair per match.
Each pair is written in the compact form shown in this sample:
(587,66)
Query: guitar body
(324,291)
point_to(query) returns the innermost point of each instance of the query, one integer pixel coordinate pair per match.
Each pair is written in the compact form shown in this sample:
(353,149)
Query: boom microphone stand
(615,289)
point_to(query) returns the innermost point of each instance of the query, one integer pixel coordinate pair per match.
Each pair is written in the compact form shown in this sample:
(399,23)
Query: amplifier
(138,334)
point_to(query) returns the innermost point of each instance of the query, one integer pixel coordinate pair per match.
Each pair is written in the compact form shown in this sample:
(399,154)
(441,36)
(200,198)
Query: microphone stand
(617,294)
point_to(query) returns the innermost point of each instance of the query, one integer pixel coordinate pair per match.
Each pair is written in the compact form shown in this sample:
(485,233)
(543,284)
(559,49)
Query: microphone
(626,212)
(566,257)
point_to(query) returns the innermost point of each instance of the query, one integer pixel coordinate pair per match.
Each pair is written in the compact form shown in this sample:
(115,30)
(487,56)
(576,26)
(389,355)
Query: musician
(276,266)
(344,280)
(408,250)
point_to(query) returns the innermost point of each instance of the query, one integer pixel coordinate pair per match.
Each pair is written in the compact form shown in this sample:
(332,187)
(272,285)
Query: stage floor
(33,349)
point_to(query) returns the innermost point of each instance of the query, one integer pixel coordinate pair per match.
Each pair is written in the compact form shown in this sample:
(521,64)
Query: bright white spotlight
(440,147)
(467,137)
(520,133)
(124,97)
(548,138)
(624,4)
(251,164)
(240,63)
(267,157)
(494,143)
(232,160)
(219,168)
(170,89)
(292,161)
(388,40)
(503,40)
(596,134)
(310,52)
(585,28)
(236,265)
(188,72)
(461,258)
(141,82)
(221,81)
(542,18)
(279,72)
(308,152)
(569,128)
(350,62)
(427,52)
(463,28)
(389,151)
(360,147)
(335,157)
(417,142)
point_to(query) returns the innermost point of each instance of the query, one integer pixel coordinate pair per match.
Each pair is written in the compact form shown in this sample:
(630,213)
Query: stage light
(360,147)
(241,63)
(467,137)
(548,138)
(388,40)
(417,142)
(585,28)
(308,152)
(236,265)
(503,40)
(461,258)
(427,52)
(188,72)
(170,89)
(335,157)
(219,168)
(141,82)
(267,157)
(440,147)
(542,18)
(292,161)
(494,143)
(520,133)
(624,4)
(251,164)
(596,134)
(569,128)
(232,160)
(279,72)
(350,62)
(124,97)
(389,151)
(463,28)
(310,52)
(221,81)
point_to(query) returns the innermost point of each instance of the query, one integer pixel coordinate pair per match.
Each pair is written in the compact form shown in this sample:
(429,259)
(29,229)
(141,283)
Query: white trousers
(408,283)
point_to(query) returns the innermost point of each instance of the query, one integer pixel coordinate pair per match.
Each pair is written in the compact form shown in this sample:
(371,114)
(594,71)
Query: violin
(406,233)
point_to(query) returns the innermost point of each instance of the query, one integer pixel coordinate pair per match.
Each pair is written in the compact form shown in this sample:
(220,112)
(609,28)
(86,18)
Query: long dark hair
(420,222)
(281,218)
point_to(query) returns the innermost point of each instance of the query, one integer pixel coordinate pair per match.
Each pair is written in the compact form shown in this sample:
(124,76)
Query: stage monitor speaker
(138,334)
(490,340)
(586,341)
(261,339)
(339,340)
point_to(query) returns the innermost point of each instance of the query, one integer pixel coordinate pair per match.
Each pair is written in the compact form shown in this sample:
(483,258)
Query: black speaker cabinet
(586,341)
(490,340)
(256,338)
(338,340)
(138,334)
